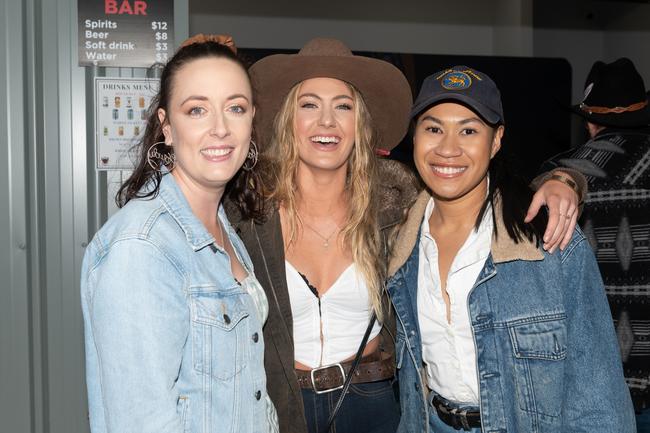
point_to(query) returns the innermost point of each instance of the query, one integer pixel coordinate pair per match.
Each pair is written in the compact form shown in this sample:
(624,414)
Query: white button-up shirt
(448,348)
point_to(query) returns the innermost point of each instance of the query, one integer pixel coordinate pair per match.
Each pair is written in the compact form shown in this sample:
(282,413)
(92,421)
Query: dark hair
(510,188)
(514,195)
(143,174)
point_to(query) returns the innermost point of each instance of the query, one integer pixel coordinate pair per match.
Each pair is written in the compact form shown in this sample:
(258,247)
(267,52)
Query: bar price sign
(126,33)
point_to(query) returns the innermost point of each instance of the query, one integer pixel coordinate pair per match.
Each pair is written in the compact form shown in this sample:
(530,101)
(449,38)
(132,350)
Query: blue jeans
(367,408)
(438,426)
(643,421)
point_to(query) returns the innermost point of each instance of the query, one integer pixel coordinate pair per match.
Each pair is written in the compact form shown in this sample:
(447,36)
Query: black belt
(459,419)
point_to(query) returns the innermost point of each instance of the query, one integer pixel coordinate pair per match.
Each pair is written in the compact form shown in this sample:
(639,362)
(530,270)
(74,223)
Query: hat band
(617,110)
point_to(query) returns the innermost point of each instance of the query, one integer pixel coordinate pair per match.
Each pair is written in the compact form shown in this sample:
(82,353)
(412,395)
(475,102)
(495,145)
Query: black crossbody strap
(353,368)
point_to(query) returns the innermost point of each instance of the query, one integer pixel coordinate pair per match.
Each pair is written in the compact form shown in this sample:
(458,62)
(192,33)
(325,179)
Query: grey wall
(581,31)
(52,201)
(278,32)
(14,306)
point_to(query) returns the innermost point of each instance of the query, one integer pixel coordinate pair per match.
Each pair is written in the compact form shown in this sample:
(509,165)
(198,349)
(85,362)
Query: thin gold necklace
(326,239)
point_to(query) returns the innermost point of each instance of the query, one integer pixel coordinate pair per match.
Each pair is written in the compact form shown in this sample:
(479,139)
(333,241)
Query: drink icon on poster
(120,119)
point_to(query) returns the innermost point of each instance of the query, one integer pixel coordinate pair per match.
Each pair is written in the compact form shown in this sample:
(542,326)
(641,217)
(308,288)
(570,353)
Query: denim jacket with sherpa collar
(547,356)
(173,343)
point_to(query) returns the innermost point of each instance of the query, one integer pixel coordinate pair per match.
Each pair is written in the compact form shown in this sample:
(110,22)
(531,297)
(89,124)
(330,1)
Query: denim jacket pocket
(219,333)
(539,346)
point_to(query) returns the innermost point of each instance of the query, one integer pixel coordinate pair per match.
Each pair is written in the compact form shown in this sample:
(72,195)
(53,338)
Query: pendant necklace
(326,239)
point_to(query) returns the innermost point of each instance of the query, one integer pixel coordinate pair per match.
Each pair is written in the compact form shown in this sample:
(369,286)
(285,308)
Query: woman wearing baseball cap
(494,334)
(318,236)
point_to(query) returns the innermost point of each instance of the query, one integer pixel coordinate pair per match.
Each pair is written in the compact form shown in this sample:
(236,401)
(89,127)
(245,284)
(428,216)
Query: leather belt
(454,417)
(328,378)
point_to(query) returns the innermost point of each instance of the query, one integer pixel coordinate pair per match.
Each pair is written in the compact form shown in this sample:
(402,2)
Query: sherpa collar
(503,249)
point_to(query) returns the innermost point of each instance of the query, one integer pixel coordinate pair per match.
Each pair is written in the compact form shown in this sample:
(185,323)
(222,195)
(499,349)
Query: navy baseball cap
(463,84)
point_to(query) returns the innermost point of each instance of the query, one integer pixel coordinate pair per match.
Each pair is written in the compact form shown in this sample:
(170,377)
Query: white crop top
(344,310)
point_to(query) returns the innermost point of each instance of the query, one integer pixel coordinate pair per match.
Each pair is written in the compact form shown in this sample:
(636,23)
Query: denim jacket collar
(176,204)
(503,249)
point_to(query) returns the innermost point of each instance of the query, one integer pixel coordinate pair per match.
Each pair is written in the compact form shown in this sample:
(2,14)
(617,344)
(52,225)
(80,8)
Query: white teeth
(448,170)
(323,139)
(216,152)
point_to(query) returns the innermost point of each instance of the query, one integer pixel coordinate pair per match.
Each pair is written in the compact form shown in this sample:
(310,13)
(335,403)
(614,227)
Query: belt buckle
(324,367)
(456,419)
(462,415)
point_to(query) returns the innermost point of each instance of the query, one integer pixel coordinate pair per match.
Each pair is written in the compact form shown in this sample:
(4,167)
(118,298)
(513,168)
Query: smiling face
(324,123)
(208,121)
(452,151)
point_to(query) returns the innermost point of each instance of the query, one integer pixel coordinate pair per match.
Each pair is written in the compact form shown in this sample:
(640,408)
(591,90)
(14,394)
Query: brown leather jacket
(398,189)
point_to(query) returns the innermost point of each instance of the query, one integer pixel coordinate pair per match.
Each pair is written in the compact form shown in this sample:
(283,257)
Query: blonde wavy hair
(279,169)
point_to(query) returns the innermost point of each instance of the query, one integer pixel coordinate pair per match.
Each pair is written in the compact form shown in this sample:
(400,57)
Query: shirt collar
(504,249)
(476,247)
(179,209)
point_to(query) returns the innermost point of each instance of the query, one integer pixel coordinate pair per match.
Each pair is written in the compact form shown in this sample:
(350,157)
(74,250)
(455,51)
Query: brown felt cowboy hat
(615,95)
(383,87)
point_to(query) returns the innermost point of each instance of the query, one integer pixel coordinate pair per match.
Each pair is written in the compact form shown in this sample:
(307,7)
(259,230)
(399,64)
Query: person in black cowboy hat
(615,96)
(616,217)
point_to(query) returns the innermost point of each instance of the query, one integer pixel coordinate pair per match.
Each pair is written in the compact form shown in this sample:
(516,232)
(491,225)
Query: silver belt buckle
(324,391)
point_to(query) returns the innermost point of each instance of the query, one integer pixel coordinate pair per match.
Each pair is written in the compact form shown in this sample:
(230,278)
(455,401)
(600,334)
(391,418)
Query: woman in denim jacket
(494,334)
(173,314)
(328,208)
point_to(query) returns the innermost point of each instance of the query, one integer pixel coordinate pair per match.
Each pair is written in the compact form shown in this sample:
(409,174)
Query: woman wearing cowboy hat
(318,236)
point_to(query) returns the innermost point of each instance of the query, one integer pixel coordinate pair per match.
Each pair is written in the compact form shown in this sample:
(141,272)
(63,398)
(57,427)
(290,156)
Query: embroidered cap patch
(456,80)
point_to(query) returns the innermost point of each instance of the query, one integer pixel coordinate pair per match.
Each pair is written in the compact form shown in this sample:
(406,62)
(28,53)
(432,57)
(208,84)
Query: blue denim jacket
(547,356)
(173,342)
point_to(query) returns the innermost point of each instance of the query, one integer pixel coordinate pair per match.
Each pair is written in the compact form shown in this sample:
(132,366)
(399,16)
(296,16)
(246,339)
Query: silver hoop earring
(153,156)
(251,157)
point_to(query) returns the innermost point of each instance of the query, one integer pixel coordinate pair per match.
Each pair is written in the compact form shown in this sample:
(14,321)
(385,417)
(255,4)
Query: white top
(448,348)
(253,287)
(344,312)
